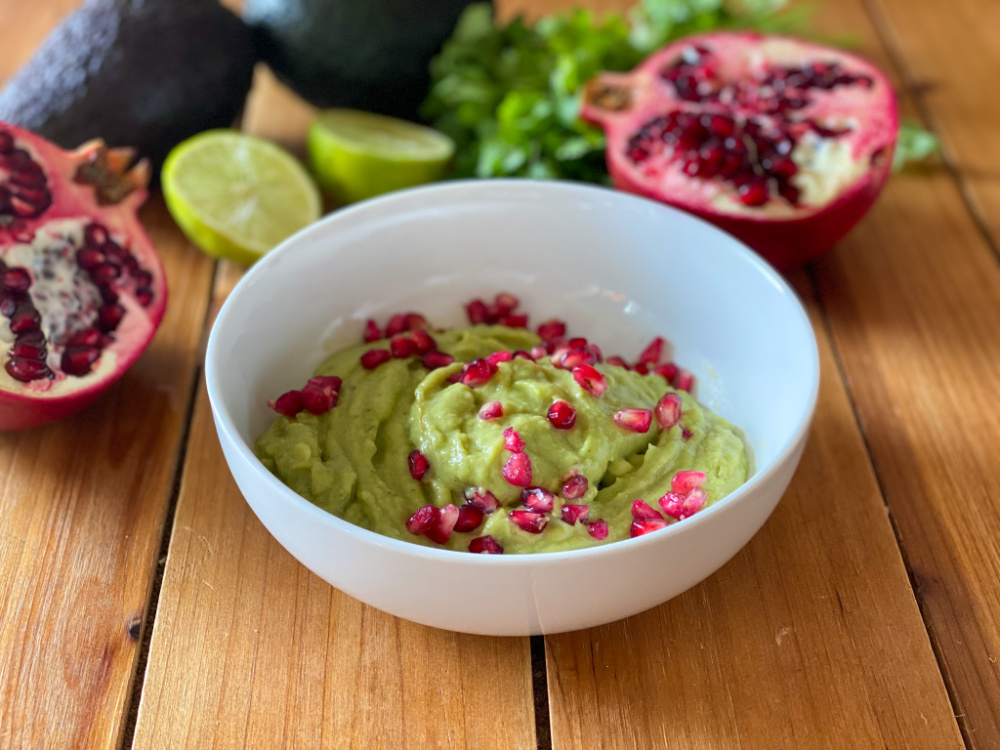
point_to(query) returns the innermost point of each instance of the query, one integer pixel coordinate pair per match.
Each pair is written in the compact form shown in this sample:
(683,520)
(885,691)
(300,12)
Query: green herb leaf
(914,144)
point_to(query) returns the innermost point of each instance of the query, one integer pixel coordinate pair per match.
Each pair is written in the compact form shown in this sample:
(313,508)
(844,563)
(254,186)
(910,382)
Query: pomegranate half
(82,290)
(783,143)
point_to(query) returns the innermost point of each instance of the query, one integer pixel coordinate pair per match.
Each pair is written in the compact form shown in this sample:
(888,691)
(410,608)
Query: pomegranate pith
(81,286)
(781,142)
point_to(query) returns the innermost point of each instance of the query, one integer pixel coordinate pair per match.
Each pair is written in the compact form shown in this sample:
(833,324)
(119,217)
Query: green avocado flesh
(352,460)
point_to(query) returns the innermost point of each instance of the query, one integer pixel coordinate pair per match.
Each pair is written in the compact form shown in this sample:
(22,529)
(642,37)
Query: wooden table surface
(143,605)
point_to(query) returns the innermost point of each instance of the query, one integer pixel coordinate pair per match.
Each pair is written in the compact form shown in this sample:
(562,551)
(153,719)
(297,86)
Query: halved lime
(236,196)
(356,155)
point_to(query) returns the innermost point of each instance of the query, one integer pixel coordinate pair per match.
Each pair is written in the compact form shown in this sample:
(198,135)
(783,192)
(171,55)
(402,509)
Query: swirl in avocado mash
(352,460)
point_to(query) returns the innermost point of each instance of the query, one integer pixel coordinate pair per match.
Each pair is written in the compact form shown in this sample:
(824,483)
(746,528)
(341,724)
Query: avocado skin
(141,73)
(363,54)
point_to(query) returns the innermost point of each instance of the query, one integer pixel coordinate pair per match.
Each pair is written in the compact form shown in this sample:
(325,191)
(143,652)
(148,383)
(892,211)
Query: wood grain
(83,506)
(809,638)
(951,55)
(913,300)
(252,650)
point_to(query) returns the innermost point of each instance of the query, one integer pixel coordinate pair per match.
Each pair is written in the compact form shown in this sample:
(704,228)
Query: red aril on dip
(82,290)
(783,143)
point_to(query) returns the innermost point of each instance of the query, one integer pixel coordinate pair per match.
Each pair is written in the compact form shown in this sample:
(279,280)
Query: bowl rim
(467,189)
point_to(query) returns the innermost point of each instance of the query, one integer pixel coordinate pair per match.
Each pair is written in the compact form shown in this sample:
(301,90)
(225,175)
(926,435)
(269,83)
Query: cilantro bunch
(509,94)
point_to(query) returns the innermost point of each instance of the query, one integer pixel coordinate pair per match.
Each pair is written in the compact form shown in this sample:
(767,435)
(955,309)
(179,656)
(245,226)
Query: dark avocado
(142,73)
(364,54)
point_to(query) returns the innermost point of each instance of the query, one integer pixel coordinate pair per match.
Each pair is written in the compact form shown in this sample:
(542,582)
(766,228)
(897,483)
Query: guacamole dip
(352,460)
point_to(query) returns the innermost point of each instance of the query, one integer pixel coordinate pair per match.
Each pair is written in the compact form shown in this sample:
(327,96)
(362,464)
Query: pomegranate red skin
(785,243)
(20,410)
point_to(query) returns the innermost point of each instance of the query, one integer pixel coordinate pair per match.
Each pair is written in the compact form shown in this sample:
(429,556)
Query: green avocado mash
(352,460)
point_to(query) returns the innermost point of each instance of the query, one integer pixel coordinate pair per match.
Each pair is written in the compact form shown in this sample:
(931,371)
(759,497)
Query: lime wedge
(356,155)
(236,196)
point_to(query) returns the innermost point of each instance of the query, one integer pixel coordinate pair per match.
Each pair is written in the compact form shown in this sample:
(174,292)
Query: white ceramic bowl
(620,270)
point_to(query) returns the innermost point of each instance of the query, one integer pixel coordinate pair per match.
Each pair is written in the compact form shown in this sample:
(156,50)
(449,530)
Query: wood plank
(251,650)
(951,54)
(83,506)
(809,638)
(913,300)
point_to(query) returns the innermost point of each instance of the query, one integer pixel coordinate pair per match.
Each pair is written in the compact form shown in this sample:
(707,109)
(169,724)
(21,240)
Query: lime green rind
(201,181)
(358,155)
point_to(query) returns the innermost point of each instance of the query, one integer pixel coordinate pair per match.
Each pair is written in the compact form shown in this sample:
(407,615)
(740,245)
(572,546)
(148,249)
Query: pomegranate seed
(497,357)
(422,341)
(26,318)
(372,331)
(142,278)
(478,372)
(95,235)
(423,520)
(683,506)
(618,362)
(469,518)
(668,371)
(598,529)
(477,312)
(533,523)
(684,381)
(375,357)
(653,353)
(491,410)
(396,324)
(485,545)
(687,434)
(434,360)
(319,396)
(414,321)
(512,441)
(506,303)
(572,514)
(538,499)
(753,193)
(577,342)
(440,531)
(685,481)
(643,511)
(326,381)
(78,360)
(89,258)
(575,487)
(639,528)
(455,377)
(493,314)
(668,410)
(105,273)
(519,320)
(144,295)
(517,470)
(483,499)
(26,370)
(590,380)
(288,404)
(575,358)
(109,316)
(401,346)
(642,368)
(636,420)
(562,415)
(16,280)
(418,464)
(553,329)
(87,337)
(29,349)
(520,353)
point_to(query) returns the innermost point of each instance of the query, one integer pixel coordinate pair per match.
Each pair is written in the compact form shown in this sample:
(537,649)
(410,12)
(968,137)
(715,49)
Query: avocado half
(141,73)
(362,54)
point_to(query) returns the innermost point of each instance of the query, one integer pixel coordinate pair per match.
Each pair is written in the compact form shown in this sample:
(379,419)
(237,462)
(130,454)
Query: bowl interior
(618,269)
